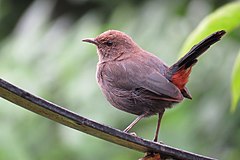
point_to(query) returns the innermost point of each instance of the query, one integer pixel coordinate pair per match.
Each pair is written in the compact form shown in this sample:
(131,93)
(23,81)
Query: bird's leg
(134,122)
(158,126)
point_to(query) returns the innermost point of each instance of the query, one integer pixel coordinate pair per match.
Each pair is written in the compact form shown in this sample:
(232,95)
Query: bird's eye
(109,43)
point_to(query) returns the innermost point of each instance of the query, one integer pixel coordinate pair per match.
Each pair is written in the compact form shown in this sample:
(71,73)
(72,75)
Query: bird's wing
(130,75)
(158,84)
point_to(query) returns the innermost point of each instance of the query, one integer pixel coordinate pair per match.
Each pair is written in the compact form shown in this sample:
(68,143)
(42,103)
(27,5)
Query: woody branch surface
(63,116)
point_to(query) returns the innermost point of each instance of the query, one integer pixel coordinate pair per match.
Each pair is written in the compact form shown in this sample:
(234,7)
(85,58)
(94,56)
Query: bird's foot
(159,142)
(133,134)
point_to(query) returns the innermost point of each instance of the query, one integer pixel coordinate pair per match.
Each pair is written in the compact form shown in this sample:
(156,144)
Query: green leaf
(236,83)
(225,18)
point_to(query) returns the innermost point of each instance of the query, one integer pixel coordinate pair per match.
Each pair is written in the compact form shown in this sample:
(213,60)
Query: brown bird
(138,82)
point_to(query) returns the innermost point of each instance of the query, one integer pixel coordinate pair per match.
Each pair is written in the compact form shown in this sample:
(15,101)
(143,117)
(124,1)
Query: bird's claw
(159,142)
(133,134)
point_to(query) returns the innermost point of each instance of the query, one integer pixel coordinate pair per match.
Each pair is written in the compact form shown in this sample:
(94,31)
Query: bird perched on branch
(138,82)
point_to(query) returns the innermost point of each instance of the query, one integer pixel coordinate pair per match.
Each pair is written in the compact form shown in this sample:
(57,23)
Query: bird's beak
(90,40)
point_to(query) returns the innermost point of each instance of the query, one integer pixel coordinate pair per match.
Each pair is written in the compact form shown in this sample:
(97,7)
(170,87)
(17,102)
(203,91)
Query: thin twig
(73,120)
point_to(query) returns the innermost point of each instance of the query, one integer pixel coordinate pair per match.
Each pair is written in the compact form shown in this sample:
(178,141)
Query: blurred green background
(41,51)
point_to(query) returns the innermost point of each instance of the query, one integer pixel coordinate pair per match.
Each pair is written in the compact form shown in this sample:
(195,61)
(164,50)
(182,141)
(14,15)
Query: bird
(137,81)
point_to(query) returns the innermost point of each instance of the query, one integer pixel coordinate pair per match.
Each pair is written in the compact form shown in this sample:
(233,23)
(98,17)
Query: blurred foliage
(236,84)
(225,18)
(41,51)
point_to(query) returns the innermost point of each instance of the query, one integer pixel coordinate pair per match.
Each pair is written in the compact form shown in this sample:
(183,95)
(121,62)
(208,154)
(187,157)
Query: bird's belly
(128,101)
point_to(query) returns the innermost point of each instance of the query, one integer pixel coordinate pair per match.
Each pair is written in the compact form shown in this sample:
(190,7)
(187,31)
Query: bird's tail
(179,72)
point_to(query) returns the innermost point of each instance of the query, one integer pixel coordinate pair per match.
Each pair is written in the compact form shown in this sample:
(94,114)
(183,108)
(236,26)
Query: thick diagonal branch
(73,120)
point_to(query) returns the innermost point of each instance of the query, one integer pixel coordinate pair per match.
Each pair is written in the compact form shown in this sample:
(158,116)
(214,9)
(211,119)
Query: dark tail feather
(191,57)
(179,72)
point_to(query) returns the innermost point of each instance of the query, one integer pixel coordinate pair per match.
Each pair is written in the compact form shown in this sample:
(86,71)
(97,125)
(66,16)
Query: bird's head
(113,44)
